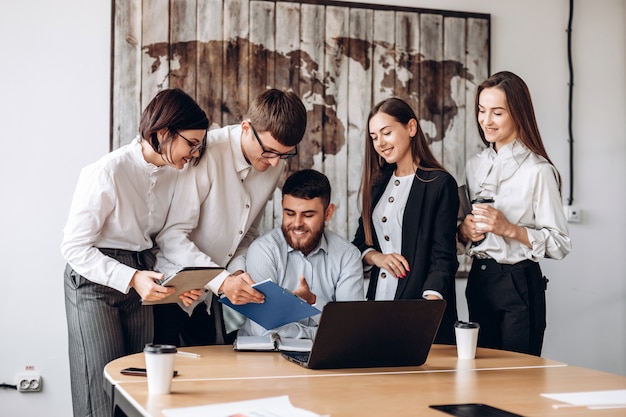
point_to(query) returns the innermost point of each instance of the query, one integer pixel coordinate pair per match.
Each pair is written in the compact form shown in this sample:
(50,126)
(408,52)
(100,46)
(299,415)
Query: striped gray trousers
(103,324)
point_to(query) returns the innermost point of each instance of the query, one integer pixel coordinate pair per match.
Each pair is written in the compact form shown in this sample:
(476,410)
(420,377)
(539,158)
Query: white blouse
(526,190)
(387,218)
(121,202)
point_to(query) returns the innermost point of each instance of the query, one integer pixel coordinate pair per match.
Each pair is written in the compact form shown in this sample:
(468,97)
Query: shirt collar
(137,153)
(241,165)
(322,246)
(499,166)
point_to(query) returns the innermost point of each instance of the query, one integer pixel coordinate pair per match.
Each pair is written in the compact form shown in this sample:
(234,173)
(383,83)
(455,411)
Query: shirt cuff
(366,268)
(122,277)
(431,292)
(215,284)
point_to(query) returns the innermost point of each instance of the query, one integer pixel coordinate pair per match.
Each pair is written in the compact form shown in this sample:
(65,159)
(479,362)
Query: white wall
(54,113)
(54,117)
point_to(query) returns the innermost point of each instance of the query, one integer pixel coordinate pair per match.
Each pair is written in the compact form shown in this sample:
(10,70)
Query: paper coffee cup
(481,200)
(159,367)
(466,339)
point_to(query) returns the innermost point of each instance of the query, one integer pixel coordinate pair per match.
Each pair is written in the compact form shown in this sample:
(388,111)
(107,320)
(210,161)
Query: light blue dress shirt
(334,272)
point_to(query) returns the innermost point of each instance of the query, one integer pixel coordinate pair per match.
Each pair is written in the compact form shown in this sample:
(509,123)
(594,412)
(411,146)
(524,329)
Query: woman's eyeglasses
(194,147)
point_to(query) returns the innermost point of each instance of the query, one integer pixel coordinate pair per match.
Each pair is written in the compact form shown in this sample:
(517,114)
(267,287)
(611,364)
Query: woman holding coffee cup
(120,204)
(409,212)
(522,223)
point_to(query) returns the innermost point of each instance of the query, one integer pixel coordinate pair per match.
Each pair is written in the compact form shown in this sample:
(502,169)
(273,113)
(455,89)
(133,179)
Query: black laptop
(368,334)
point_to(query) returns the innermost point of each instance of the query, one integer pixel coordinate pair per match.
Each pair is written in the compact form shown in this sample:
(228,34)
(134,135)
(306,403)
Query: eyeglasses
(194,147)
(273,154)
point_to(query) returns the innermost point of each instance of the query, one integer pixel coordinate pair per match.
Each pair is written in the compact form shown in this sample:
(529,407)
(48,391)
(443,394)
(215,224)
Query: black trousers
(509,303)
(173,326)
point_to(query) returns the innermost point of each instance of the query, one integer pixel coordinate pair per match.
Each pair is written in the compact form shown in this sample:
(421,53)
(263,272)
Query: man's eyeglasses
(272,154)
(194,147)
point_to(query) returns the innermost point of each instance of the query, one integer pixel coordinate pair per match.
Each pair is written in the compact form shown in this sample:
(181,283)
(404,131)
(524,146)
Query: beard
(307,242)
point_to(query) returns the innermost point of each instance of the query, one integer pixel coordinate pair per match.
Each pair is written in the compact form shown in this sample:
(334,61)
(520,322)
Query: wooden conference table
(507,380)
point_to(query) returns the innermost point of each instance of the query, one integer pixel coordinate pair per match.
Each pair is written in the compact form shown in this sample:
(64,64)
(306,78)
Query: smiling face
(186,146)
(494,117)
(175,148)
(303,221)
(392,139)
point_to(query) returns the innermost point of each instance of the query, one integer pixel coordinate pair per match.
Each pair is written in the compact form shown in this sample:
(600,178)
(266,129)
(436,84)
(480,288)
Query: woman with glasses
(407,230)
(216,213)
(120,204)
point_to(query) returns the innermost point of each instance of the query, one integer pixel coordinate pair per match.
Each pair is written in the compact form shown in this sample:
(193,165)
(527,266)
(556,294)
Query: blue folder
(280,307)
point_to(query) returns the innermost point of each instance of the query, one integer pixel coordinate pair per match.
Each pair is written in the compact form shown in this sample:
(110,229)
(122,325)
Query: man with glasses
(216,212)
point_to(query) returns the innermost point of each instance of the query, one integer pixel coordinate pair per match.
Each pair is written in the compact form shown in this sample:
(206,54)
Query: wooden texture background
(340,58)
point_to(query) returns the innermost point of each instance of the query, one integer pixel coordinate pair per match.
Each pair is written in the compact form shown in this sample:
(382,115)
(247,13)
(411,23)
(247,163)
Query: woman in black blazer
(407,229)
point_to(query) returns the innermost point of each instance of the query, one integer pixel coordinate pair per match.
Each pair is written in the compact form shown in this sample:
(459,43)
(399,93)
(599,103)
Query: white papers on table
(264,407)
(593,400)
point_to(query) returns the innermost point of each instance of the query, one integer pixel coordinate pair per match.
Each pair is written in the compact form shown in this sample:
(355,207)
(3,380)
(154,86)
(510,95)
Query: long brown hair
(374,164)
(521,110)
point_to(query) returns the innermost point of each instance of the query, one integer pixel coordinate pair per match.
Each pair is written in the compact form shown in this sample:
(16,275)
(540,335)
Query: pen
(189,354)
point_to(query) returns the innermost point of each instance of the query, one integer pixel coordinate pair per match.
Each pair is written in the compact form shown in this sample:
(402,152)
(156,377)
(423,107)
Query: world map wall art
(341,58)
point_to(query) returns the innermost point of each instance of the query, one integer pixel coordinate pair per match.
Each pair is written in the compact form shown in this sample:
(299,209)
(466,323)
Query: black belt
(492,265)
(139,257)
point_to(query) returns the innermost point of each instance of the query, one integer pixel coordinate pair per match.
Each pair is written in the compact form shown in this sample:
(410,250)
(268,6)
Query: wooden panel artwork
(340,58)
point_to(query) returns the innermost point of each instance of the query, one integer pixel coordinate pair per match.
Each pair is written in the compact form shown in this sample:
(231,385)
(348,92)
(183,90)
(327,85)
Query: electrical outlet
(573,214)
(29,380)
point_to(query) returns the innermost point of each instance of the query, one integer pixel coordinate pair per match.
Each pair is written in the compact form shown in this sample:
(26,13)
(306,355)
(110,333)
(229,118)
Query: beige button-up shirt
(217,209)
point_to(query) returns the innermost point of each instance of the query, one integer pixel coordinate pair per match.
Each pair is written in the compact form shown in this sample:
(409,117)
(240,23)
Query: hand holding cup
(475,209)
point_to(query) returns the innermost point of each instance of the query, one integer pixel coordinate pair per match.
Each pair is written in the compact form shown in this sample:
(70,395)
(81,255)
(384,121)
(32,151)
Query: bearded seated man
(315,264)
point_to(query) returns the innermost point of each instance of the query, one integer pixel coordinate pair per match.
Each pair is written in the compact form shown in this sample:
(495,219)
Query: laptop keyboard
(302,357)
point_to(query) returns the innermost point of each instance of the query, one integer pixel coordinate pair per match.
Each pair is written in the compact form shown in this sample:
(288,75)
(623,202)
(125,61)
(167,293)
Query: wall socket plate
(573,214)
(28,381)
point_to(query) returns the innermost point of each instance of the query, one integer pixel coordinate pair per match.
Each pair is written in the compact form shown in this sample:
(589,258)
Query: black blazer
(428,242)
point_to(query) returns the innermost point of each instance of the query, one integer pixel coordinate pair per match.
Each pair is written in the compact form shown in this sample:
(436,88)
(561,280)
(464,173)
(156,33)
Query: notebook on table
(368,334)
